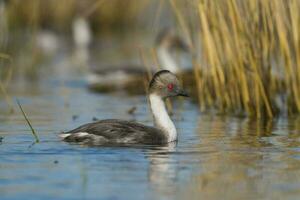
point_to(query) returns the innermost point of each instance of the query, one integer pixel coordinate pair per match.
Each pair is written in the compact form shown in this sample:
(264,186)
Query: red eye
(170,86)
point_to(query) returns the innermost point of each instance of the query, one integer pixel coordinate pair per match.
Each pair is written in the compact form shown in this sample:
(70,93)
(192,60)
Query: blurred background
(244,54)
(42,29)
(65,61)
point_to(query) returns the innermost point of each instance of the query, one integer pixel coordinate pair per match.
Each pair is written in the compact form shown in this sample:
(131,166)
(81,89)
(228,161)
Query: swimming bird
(129,77)
(164,84)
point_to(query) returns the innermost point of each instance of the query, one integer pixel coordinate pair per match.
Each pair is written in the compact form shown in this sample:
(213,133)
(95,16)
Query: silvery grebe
(164,84)
(129,77)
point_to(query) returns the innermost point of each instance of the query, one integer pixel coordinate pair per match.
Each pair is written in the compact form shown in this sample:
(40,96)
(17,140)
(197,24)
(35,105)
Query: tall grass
(250,55)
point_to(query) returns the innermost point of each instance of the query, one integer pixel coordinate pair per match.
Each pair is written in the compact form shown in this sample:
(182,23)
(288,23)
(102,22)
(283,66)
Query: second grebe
(128,77)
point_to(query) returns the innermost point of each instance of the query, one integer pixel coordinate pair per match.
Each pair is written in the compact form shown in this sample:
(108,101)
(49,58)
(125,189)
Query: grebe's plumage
(164,84)
(115,131)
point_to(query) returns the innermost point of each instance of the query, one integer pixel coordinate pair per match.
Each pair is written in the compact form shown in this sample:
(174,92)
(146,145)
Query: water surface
(216,157)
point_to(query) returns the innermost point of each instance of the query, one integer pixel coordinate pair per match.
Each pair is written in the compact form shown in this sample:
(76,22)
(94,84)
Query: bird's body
(164,84)
(115,131)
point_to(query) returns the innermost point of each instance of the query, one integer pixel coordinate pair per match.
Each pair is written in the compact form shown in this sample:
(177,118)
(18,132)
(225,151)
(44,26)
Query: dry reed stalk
(196,68)
(29,124)
(240,40)
(182,22)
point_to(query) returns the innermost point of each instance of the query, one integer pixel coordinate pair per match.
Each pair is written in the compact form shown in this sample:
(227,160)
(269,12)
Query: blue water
(216,157)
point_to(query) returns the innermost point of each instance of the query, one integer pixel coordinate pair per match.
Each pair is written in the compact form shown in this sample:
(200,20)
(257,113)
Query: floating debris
(74,117)
(95,119)
(132,110)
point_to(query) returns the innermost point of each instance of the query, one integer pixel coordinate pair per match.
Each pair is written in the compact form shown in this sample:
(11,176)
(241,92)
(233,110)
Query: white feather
(79,134)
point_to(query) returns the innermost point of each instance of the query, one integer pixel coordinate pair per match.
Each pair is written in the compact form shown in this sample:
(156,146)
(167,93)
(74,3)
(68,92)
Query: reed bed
(250,55)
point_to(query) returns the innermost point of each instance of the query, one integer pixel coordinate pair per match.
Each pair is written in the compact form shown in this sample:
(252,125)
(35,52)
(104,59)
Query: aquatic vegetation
(29,124)
(250,55)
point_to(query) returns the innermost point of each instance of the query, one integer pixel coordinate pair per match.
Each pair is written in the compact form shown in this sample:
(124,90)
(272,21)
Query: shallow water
(216,157)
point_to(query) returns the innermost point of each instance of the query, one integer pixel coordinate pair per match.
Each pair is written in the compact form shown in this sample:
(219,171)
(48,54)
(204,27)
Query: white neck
(161,117)
(166,60)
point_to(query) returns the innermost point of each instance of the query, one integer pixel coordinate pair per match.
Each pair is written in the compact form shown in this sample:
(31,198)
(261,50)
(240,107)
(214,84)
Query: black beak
(182,93)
